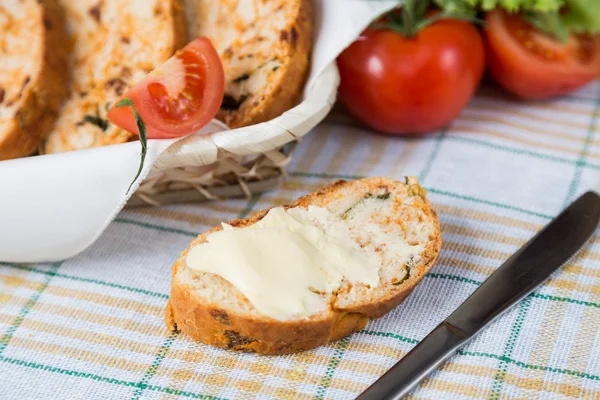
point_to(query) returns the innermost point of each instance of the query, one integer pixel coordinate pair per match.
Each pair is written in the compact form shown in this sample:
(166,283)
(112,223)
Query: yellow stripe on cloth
(526,128)
(193,219)
(97,318)
(504,109)
(495,97)
(485,217)
(343,153)
(315,146)
(398,167)
(376,151)
(540,144)
(583,345)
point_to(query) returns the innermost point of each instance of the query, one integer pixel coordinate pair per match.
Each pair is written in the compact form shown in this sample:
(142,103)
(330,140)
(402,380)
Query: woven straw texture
(242,161)
(91,327)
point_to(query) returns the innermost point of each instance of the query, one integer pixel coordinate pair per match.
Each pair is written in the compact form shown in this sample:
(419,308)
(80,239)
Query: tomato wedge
(177,98)
(533,65)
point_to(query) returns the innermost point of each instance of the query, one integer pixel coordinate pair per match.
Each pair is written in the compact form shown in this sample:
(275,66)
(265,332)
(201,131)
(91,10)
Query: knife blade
(523,272)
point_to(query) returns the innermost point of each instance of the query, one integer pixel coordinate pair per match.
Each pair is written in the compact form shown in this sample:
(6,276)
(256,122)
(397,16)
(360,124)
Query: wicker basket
(237,162)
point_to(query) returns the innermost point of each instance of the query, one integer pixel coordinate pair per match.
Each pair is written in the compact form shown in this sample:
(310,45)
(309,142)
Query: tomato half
(412,85)
(178,97)
(533,65)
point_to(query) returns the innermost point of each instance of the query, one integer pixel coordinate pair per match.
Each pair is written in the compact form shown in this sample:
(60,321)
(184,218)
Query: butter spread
(289,262)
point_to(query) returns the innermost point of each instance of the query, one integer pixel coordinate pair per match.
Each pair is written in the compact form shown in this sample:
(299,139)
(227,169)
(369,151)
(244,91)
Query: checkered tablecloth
(92,327)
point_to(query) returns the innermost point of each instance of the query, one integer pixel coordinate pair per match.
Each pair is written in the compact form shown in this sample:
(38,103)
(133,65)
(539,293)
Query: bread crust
(111,53)
(179,24)
(251,44)
(42,95)
(211,324)
(286,89)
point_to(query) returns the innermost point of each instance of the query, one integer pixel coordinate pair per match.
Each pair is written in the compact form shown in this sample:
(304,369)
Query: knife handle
(434,349)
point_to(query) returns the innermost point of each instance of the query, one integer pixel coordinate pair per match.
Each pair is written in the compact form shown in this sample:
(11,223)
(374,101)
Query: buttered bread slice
(115,43)
(292,278)
(265,50)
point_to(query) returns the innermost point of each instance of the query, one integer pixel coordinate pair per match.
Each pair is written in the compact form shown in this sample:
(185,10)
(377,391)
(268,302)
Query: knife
(524,271)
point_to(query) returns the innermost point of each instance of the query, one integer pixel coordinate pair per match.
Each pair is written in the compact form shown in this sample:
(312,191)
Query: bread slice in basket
(33,63)
(378,214)
(265,49)
(115,43)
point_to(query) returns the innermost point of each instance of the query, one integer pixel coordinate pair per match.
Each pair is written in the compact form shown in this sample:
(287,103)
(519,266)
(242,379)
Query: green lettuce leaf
(472,6)
(583,16)
(550,23)
(554,17)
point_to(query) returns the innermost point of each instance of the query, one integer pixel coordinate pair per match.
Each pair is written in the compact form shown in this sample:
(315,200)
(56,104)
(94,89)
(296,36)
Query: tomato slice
(177,98)
(533,65)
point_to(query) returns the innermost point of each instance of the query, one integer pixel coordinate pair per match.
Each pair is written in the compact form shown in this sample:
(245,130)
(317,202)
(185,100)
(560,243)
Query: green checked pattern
(10,332)
(93,325)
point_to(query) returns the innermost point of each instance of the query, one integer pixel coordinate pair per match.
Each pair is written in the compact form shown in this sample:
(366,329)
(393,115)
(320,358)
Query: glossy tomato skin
(556,68)
(413,85)
(177,98)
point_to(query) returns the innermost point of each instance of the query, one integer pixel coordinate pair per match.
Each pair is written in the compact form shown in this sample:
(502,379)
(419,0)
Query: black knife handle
(434,349)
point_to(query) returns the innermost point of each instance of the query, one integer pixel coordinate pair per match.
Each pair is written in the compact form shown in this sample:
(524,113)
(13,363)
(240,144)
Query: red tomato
(412,85)
(533,65)
(177,98)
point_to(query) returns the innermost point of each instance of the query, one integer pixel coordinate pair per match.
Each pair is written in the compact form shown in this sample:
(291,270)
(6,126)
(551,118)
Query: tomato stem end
(412,18)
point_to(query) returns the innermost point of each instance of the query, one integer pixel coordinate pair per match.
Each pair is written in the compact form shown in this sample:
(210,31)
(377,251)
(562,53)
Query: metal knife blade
(524,271)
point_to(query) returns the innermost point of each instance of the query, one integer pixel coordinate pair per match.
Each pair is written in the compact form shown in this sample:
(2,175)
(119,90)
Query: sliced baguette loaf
(115,43)
(210,309)
(265,48)
(33,64)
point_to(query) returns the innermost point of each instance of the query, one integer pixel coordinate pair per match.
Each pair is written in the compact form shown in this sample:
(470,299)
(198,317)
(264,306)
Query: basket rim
(293,124)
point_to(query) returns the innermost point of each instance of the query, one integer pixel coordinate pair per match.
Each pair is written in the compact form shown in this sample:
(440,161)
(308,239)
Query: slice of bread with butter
(295,277)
